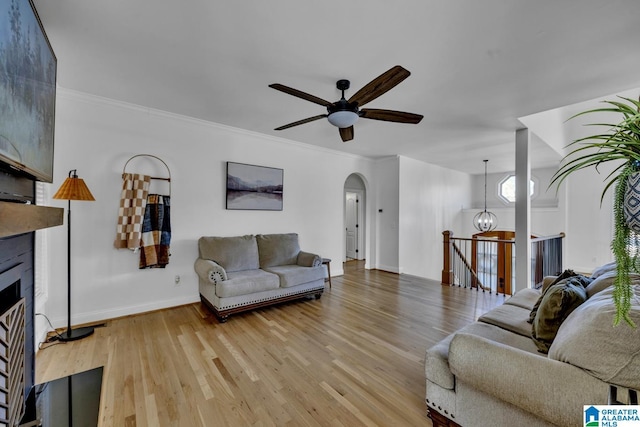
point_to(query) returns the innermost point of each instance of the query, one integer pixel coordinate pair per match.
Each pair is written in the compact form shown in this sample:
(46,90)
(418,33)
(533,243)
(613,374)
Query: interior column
(523,211)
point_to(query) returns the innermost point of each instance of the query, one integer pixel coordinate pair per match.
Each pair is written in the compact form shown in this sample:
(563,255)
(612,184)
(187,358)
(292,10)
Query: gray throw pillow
(557,303)
(562,277)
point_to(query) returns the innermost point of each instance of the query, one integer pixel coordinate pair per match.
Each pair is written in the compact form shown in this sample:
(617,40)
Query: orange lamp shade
(74,188)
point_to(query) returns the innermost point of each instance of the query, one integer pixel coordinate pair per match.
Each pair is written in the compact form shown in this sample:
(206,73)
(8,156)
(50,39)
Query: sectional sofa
(495,371)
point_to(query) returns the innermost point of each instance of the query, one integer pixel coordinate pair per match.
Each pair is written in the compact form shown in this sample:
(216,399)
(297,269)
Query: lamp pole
(73,188)
(69,268)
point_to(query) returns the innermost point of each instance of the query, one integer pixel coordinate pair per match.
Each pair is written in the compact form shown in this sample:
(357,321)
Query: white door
(352,225)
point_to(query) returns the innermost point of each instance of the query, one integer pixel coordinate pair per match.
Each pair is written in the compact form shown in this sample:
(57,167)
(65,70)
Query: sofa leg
(222,318)
(440,420)
(318,295)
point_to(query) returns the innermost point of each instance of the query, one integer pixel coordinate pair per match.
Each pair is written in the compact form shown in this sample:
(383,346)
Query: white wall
(589,224)
(544,196)
(386,211)
(544,221)
(354,182)
(419,201)
(97,136)
(431,201)
(547,212)
(574,210)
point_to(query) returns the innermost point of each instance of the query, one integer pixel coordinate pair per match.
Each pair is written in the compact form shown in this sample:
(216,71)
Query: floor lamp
(73,188)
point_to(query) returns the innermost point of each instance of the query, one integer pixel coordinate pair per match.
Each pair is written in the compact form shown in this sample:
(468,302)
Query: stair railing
(488,264)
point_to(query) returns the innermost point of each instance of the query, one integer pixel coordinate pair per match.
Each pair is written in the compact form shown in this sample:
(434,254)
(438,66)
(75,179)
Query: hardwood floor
(354,357)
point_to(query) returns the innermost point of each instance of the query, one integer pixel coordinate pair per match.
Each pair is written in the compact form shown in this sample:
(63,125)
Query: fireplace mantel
(18,218)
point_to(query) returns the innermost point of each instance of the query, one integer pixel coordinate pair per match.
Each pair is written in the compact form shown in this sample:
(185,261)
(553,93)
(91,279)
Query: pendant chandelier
(485,221)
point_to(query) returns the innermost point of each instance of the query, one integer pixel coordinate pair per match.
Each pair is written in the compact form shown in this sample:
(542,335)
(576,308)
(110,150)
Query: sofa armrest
(210,271)
(307,259)
(553,390)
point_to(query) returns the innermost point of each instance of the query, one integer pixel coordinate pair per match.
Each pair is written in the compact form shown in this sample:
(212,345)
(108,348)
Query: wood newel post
(447,272)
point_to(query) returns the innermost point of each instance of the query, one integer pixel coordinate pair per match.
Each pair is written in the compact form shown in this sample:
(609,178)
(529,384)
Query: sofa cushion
(599,271)
(525,298)
(557,303)
(293,275)
(246,282)
(587,339)
(509,317)
(232,253)
(605,280)
(278,249)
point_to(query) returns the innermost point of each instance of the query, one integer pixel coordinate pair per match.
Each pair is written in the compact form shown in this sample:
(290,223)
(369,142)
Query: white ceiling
(477,66)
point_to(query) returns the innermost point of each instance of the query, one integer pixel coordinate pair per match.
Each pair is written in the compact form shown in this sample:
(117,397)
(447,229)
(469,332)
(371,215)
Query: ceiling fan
(344,113)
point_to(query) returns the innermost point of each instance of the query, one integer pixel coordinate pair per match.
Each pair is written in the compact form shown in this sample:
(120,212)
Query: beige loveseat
(492,372)
(245,272)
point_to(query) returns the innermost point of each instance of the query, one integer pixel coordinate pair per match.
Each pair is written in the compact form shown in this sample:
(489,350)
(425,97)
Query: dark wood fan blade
(301,122)
(390,116)
(381,84)
(300,94)
(346,133)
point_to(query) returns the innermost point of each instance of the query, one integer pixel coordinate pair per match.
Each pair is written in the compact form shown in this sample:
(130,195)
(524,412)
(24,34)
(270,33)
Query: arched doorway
(354,217)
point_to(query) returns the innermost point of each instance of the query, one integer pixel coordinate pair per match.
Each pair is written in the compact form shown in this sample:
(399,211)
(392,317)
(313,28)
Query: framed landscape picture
(251,187)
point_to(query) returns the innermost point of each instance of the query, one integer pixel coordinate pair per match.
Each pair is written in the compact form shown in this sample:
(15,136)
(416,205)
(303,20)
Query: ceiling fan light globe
(343,119)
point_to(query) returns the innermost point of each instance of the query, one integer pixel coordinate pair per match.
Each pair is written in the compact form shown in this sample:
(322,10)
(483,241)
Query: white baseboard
(391,269)
(97,316)
(40,332)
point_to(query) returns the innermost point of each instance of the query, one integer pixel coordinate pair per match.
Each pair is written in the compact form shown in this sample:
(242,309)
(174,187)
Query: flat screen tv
(27,92)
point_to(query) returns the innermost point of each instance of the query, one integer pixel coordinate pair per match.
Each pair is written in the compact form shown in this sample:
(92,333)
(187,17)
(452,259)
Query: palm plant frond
(620,144)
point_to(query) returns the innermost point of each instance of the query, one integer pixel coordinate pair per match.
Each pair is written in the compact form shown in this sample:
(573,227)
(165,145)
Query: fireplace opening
(12,347)
(9,296)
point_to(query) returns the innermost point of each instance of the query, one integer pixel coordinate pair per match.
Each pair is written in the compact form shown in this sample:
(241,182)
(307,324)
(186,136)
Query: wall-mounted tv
(27,92)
